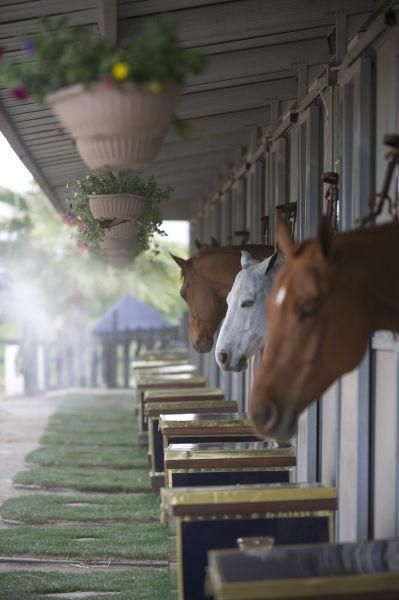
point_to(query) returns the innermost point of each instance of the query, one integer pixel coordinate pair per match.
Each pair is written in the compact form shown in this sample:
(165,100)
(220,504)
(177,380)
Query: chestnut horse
(330,296)
(207,279)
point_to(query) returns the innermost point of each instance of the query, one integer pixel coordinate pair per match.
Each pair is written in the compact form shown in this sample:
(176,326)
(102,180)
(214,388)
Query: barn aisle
(86,523)
(20,431)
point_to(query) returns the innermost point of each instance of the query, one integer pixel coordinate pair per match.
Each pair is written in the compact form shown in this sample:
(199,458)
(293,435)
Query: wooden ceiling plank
(261,41)
(235,98)
(218,23)
(35,9)
(260,61)
(223,123)
(33,25)
(216,143)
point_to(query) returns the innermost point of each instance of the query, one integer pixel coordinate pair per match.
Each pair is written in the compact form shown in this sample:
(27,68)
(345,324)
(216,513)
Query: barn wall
(350,437)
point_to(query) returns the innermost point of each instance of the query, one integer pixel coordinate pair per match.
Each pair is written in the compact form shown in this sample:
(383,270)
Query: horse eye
(308,312)
(247,303)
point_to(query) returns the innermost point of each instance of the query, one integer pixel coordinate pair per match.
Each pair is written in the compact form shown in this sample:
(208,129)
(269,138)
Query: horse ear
(246,259)
(180,261)
(325,236)
(268,264)
(197,243)
(284,239)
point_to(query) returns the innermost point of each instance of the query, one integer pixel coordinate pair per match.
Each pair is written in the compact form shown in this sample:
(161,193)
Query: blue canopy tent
(129,320)
(130,315)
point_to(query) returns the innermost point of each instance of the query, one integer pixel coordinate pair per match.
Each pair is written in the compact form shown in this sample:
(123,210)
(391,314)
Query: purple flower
(28,48)
(19,92)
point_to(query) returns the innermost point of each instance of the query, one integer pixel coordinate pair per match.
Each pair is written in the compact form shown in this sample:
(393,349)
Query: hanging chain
(377,203)
(331,197)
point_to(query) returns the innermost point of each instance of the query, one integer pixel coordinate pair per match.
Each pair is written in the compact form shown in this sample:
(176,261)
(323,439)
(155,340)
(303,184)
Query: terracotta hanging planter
(119,243)
(117,128)
(116,206)
(122,236)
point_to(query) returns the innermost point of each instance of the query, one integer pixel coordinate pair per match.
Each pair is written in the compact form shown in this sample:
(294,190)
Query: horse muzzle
(270,423)
(227,362)
(202,345)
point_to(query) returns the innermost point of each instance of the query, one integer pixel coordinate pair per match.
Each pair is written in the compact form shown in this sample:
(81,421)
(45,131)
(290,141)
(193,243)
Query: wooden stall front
(228,463)
(143,384)
(362,571)
(206,518)
(153,412)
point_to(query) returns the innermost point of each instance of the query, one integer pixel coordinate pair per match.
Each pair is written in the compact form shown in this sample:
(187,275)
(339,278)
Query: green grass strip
(109,480)
(134,584)
(114,456)
(131,541)
(128,438)
(37,508)
(98,427)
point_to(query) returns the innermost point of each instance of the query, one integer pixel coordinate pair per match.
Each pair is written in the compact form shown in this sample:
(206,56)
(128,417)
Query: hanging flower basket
(120,237)
(119,244)
(117,128)
(117,103)
(116,212)
(116,206)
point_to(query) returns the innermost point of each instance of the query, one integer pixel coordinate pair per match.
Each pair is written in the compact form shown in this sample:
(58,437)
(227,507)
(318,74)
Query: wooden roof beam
(108,20)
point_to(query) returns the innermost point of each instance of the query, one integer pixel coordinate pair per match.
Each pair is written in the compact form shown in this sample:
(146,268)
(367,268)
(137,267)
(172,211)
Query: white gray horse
(244,328)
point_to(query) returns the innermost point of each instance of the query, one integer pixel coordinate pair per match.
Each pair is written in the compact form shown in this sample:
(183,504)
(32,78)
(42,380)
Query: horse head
(317,331)
(206,305)
(244,328)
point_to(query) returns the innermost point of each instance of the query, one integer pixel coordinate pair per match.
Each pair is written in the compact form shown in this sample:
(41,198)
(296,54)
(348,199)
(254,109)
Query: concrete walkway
(22,421)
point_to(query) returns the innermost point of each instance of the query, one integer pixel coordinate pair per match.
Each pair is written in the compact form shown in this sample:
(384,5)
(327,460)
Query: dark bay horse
(330,296)
(207,280)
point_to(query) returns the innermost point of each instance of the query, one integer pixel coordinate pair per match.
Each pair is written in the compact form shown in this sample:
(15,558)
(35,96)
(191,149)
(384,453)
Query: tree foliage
(43,251)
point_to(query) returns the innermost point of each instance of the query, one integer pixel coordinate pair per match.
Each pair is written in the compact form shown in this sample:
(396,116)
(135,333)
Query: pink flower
(81,245)
(19,92)
(109,82)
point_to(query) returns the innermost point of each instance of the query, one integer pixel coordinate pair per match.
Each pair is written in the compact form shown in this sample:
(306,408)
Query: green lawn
(94,480)
(138,541)
(87,456)
(91,447)
(36,508)
(134,584)
(73,438)
(83,427)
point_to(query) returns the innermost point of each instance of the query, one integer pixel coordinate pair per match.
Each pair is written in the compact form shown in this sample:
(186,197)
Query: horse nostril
(224,357)
(265,416)
(242,363)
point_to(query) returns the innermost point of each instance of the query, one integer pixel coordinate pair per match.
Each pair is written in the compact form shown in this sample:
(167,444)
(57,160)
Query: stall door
(308,213)
(355,85)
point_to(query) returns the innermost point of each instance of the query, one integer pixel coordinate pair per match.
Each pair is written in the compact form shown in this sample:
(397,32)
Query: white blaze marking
(280,296)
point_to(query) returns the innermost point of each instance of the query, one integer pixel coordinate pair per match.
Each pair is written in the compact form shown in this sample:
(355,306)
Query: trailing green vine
(91,231)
